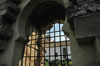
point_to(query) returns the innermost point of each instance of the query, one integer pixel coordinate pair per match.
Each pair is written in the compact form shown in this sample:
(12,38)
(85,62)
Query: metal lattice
(48,48)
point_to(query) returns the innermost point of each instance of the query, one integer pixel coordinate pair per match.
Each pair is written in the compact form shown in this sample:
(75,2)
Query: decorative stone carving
(9,11)
(8,14)
(80,7)
(83,17)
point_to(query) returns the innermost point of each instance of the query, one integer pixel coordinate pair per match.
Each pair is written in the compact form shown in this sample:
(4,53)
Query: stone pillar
(82,53)
(82,25)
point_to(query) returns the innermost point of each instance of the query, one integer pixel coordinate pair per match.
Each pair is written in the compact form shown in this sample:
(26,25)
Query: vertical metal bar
(44,48)
(67,52)
(49,41)
(54,45)
(60,43)
(39,44)
(35,43)
(33,39)
(39,50)
(30,45)
(49,44)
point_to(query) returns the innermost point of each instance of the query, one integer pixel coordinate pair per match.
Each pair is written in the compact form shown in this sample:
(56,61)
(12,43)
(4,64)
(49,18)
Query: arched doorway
(37,50)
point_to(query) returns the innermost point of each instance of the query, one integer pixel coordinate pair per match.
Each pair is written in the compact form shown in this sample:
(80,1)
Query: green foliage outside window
(58,63)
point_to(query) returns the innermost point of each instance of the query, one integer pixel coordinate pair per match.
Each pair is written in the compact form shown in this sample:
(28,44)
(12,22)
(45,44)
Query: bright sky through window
(57,39)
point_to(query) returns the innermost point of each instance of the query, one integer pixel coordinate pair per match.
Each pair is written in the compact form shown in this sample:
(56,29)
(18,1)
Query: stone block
(87,26)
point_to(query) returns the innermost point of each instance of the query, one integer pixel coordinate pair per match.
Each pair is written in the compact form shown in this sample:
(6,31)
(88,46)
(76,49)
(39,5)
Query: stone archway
(28,12)
(15,46)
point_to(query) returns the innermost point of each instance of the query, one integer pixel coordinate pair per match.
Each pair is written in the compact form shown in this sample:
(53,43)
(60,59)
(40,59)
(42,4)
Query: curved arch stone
(27,11)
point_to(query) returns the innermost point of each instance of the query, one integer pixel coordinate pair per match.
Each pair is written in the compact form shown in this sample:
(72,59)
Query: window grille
(48,48)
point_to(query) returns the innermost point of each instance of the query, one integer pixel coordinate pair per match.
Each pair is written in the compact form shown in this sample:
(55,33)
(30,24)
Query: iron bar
(49,45)
(60,43)
(67,52)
